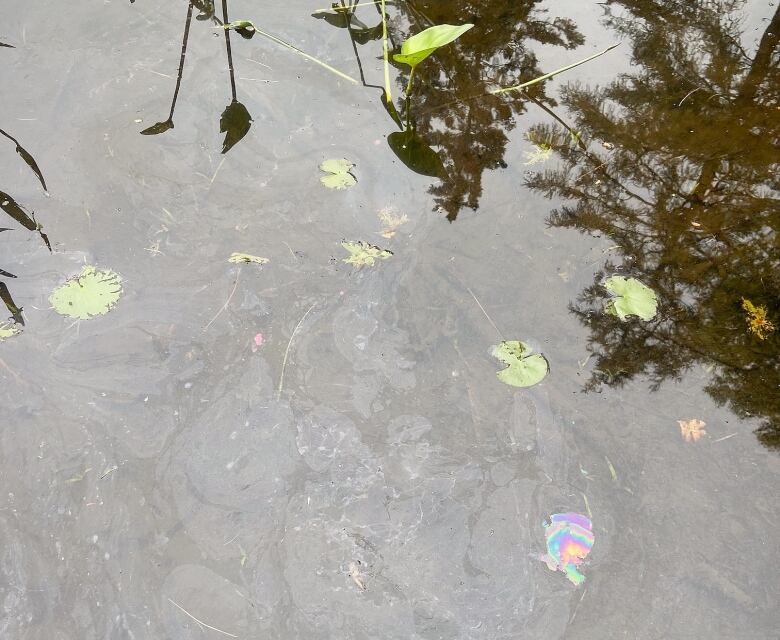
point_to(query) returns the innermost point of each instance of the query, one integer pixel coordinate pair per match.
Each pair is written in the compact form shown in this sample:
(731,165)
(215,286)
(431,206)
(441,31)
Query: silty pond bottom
(273,406)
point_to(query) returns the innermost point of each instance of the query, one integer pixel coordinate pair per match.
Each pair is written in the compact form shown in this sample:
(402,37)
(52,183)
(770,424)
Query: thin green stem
(409,84)
(388,96)
(347,8)
(546,76)
(297,50)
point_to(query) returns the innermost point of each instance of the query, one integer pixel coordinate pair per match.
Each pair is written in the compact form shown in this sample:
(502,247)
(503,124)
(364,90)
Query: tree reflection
(470,134)
(686,183)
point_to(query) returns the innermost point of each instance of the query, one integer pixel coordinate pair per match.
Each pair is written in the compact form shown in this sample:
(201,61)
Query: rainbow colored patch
(569,541)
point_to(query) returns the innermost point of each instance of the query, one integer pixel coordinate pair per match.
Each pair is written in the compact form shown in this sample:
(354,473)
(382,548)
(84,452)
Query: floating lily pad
(91,293)
(238,258)
(630,298)
(524,369)
(8,330)
(362,253)
(339,176)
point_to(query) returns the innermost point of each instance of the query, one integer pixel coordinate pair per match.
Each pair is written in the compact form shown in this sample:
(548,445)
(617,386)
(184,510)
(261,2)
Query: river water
(310,449)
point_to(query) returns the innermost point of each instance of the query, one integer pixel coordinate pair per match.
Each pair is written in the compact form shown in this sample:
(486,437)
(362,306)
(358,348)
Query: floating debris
(391,220)
(756,317)
(630,298)
(569,539)
(523,369)
(257,342)
(339,175)
(362,253)
(246,258)
(692,430)
(92,293)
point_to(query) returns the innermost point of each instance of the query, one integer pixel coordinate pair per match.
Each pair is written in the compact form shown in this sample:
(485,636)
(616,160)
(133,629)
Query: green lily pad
(339,176)
(630,298)
(423,44)
(364,254)
(8,330)
(524,369)
(246,258)
(91,293)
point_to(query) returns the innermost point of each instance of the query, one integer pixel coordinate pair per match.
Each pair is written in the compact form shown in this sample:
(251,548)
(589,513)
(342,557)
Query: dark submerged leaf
(13,209)
(16,312)
(27,157)
(415,154)
(159,127)
(234,123)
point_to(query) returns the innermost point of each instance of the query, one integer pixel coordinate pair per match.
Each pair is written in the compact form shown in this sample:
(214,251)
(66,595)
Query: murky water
(362,473)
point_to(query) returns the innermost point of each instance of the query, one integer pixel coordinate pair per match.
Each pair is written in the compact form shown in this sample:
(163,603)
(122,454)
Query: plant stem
(409,84)
(303,53)
(388,96)
(181,60)
(229,51)
(517,87)
(348,8)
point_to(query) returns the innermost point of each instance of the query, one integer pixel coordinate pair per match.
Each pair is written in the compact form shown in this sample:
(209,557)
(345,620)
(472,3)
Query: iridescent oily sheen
(569,541)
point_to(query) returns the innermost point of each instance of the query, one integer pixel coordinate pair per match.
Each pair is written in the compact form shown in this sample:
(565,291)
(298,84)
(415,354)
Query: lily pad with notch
(8,330)
(339,174)
(630,298)
(524,368)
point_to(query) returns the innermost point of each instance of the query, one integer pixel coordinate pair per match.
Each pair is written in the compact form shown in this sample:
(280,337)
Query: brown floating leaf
(691,430)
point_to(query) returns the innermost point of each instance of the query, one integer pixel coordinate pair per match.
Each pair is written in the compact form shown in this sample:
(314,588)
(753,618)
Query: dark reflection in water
(455,131)
(235,120)
(470,133)
(688,193)
(17,212)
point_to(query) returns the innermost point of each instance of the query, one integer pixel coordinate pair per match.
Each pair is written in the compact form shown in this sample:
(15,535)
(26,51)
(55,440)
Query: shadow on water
(235,120)
(14,210)
(685,183)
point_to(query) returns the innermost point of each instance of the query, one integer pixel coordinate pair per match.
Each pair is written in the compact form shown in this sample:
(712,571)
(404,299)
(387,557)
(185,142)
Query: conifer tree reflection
(689,193)
(470,135)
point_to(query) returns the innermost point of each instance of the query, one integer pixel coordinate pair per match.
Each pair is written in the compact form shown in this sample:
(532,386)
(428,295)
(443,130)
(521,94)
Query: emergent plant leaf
(423,44)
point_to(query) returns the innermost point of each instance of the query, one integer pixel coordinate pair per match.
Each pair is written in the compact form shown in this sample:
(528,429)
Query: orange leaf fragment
(692,430)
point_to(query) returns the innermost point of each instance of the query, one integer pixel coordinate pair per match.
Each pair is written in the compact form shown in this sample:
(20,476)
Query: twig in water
(287,350)
(200,622)
(490,320)
(731,435)
(227,302)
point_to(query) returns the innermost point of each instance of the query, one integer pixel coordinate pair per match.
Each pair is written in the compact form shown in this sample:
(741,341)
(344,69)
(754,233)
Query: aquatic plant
(421,45)
(523,368)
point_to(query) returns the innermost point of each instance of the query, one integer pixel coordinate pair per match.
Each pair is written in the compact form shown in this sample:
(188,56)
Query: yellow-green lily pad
(364,254)
(524,368)
(8,330)
(246,258)
(630,298)
(339,175)
(92,293)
